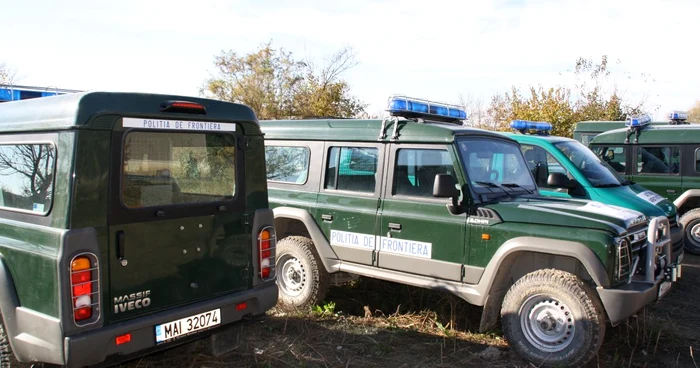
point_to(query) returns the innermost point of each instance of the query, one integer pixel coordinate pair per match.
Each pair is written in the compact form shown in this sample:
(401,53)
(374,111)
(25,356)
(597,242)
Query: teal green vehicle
(563,167)
(420,199)
(662,158)
(129,223)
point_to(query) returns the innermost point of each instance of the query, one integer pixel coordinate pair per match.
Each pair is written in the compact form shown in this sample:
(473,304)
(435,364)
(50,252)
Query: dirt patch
(381,324)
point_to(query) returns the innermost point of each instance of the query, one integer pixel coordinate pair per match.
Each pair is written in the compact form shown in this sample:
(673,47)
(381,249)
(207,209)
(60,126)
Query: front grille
(631,254)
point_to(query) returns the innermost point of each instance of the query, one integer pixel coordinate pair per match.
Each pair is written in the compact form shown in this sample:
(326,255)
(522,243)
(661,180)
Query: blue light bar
(531,125)
(638,121)
(678,115)
(415,107)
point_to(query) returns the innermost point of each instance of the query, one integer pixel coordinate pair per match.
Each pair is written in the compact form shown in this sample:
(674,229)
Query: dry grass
(381,324)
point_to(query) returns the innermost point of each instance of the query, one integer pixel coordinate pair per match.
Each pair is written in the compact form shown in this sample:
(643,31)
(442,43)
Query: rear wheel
(691,229)
(552,318)
(301,278)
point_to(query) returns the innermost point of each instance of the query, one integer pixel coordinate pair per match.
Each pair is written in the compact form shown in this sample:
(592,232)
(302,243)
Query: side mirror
(559,180)
(445,186)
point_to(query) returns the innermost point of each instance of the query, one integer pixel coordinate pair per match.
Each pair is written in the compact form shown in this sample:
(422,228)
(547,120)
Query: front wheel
(552,318)
(301,278)
(691,230)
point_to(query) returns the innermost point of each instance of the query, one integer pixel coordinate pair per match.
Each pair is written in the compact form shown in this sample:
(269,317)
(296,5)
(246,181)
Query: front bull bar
(659,243)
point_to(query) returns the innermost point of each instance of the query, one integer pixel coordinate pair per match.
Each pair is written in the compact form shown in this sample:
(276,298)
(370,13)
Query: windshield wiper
(492,185)
(515,185)
(628,182)
(608,185)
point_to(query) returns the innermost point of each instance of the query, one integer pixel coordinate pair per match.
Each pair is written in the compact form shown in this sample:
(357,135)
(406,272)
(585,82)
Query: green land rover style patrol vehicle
(663,158)
(422,200)
(128,223)
(563,167)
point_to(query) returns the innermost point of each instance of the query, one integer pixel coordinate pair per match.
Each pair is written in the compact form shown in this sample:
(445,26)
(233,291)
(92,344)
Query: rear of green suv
(422,200)
(664,159)
(128,223)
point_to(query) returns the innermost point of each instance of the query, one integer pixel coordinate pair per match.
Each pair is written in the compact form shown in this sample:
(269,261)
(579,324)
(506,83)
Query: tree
(592,98)
(276,85)
(8,75)
(694,113)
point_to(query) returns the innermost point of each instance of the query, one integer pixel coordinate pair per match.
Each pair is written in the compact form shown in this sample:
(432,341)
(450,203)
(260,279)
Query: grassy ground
(381,324)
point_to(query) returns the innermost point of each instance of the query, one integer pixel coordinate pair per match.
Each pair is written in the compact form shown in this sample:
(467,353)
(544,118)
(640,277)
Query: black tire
(535,319)
(691,224)
(301,277)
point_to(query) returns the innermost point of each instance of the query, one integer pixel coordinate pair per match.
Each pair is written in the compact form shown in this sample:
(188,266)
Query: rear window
(287,164)
(26,176)
(163,169)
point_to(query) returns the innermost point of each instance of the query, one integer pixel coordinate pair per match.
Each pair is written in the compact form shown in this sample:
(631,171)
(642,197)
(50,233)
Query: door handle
(671,191)
(394,226)
(121,250)
(326,217)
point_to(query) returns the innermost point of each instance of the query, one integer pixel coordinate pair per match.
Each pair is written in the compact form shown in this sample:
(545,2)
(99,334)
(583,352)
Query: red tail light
(266,242)
(83,279)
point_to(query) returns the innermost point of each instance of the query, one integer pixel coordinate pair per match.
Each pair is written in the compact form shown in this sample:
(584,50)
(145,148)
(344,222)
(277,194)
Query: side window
(352,168)
(613,156)
(697,160)
(287,164)
(415,170)
(658,160)
(26,177)
(541,164)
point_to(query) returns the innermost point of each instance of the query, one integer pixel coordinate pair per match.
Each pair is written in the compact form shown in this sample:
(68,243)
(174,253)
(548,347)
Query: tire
(558,341)
(301,278)
(691,230)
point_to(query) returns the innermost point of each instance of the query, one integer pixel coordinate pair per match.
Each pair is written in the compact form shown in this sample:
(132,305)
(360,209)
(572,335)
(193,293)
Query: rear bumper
(98,346)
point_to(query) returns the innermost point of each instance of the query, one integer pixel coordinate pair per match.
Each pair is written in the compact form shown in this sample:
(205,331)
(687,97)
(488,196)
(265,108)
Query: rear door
(348,199)
(177,232)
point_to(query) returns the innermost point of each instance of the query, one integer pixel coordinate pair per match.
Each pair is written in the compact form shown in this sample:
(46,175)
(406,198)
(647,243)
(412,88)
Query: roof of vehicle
(654,134)
(77,109)
(602,126)
(534,138)
(366,130)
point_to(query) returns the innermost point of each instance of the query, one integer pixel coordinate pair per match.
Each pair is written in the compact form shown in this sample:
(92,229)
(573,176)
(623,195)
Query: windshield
(599,173)
(495,165)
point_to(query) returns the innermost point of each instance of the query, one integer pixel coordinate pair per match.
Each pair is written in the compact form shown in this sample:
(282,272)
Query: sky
(437,50)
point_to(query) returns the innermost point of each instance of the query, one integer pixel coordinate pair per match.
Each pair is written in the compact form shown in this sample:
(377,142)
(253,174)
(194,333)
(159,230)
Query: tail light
(84,288)
(266,243)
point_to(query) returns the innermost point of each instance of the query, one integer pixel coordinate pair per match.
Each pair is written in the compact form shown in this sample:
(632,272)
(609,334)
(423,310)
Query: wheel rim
(695,232)
(547,323)
(292,278)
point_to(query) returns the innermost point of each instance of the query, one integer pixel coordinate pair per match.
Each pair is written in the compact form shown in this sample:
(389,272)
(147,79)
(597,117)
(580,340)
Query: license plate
(187,325)
(664,288)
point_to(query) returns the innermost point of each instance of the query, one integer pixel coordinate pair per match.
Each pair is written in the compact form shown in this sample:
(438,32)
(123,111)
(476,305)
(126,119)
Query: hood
(570,213)
(654,199)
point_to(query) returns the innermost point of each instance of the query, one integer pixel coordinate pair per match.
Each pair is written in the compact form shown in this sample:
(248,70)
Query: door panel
(349,198)
(418,234)
(657,168)
(176,227)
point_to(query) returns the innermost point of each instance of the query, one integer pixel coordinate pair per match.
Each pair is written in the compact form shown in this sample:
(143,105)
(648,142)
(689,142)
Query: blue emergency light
(637,121)
(678,115)
(525,125)
(400,105)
